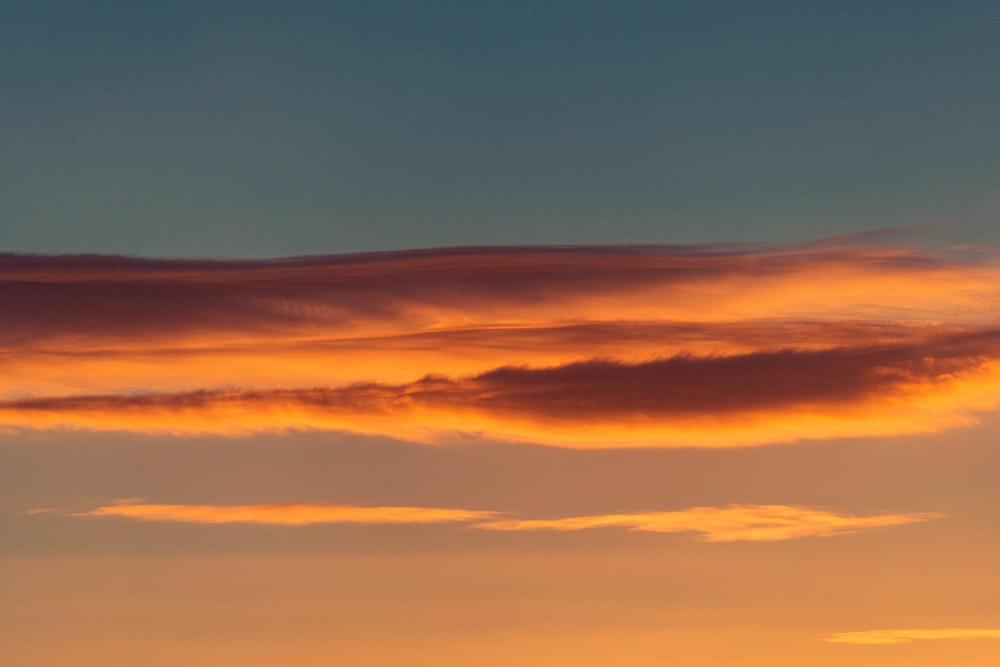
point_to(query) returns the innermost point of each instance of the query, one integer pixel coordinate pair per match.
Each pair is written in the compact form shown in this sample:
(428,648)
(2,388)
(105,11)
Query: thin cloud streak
(731,523)
(287,514)
(577,347)
(759,523)
(874,637)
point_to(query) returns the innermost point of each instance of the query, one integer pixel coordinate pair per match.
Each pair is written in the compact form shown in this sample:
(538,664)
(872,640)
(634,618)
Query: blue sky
(267,129)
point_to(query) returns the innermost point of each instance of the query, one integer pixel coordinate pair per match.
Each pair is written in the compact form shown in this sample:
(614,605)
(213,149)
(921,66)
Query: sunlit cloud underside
(713,524)
(911,635)
(572,347)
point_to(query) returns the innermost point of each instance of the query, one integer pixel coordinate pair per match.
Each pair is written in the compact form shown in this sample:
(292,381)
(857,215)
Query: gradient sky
(549,333)
(265,129)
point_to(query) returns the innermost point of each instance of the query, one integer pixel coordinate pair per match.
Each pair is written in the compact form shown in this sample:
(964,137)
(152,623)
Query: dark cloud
(665,392)
(117,298)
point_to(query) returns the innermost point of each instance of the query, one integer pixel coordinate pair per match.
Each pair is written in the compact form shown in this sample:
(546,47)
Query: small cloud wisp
(906,636)
(759,523)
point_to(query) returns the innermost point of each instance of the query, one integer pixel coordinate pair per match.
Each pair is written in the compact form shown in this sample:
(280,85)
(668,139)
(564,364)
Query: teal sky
(268,129)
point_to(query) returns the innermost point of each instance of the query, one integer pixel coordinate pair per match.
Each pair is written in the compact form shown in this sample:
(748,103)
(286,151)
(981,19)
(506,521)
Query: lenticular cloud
(575,347)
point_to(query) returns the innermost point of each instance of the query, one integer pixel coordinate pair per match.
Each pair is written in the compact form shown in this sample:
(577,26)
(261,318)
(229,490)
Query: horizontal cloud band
(727,524)
(577,347)
(715,524)
(725,401)
(288,514)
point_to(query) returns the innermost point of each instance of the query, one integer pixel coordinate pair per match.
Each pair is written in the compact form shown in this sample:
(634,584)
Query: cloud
(574,346)
(738,400)
(286,514)
(911,635)
(715,524)
(93,300)
(725,524)
(407,356)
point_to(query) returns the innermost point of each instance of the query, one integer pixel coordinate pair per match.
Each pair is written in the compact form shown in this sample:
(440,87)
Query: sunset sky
(469,333)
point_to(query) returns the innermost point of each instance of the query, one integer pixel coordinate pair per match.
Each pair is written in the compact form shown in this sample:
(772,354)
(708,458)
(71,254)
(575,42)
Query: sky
(550,333)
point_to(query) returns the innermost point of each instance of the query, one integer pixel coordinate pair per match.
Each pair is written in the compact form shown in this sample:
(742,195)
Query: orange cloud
(287,514)
(711,402)
(715,524)
(911,635)
(579,347)
(725,524)
(405,357)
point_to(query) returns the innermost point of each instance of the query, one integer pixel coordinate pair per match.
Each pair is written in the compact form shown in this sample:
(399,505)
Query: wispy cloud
(578,347)
(715,524)
(286,514)
(911,635)
(726,524)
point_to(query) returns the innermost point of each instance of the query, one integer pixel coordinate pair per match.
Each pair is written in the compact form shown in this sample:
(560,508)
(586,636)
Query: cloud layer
(714,524)
(575,347)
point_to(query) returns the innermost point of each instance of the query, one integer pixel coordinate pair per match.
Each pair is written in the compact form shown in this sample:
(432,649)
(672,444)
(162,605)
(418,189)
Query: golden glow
(726,524)
(912,635)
